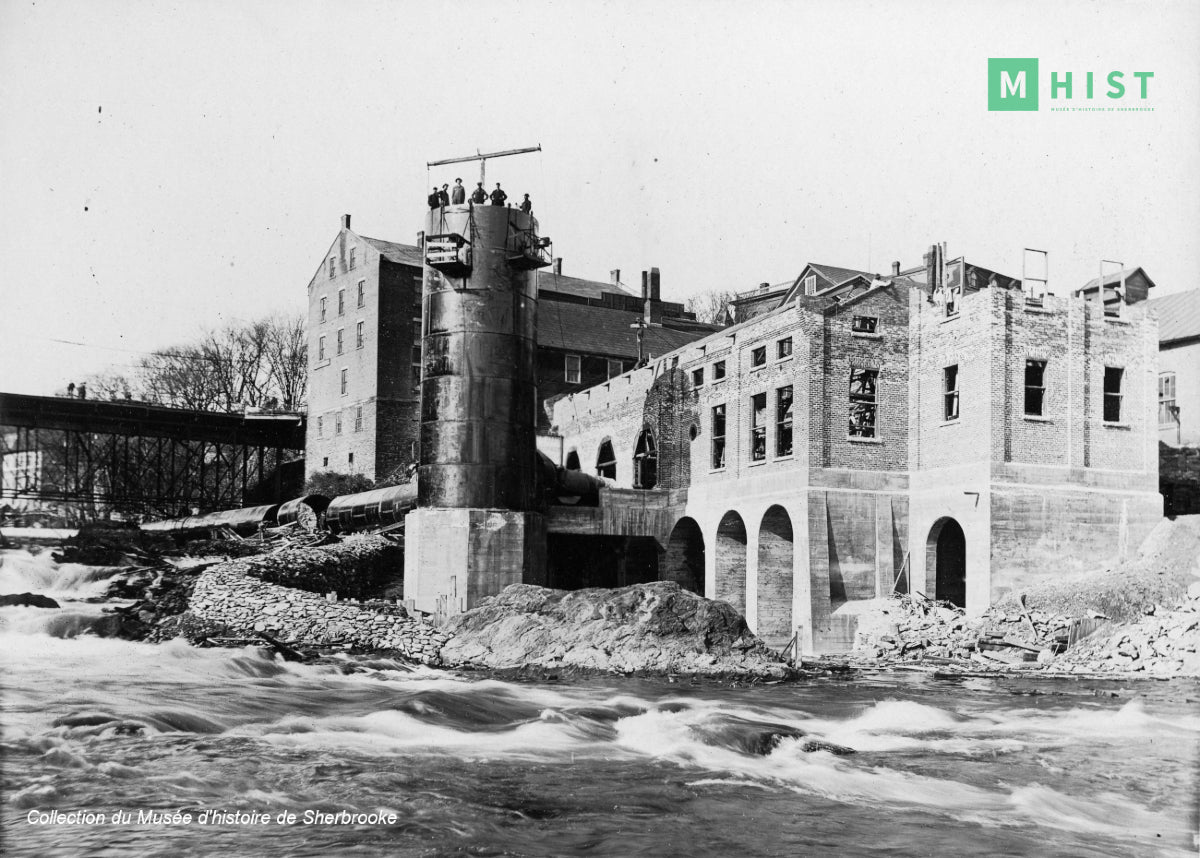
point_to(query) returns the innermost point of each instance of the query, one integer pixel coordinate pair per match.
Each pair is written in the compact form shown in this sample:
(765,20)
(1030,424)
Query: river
(373,758)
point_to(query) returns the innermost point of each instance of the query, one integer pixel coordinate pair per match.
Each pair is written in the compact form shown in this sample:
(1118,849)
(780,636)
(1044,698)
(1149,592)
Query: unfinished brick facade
(951,441)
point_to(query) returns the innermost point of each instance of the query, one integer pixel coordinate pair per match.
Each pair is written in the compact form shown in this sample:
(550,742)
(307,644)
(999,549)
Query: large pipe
(376,508)
(478,386)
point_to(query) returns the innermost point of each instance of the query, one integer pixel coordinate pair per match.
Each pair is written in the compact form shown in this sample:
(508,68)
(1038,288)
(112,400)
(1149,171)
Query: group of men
(458,195)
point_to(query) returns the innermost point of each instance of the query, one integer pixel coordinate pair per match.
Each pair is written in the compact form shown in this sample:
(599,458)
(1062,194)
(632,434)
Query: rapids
(434,763)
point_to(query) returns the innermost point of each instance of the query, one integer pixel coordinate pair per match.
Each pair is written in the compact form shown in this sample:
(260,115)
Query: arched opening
(645,461)
(775,577)
(684,558)
(731,561)
(946,558)
(606,460)
(573,461)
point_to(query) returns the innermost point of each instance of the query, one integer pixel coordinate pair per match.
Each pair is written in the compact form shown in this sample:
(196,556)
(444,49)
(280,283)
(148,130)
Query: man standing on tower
(498,196)
(444,195)
(435,199)
(458,194)
(479,195)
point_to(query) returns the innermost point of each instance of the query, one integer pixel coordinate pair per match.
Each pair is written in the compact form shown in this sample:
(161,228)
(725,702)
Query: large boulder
(649,628)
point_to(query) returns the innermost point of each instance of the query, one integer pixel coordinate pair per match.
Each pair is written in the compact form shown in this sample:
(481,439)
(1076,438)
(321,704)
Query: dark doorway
(684,559)
(573,461)
(946,549)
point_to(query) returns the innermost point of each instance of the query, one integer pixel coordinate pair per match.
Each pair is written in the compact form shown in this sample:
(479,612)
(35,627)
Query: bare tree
(710,306)
(258,364)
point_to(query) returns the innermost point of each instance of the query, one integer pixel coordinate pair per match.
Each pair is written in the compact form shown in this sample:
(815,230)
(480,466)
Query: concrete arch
(946,561)
(683,561)
(774,590)
(731,549)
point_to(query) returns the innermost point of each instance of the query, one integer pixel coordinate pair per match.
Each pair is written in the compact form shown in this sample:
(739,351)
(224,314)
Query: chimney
(557,268)
(345,221)
(896,268)
(615,276)
(933,267)
(83,391)
(421,240)
(651,303)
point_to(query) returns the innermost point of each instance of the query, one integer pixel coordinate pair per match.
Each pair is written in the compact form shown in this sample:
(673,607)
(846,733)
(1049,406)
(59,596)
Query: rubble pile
(906,627)
(649,628)
(226,600)
(358,567)
(1163,643)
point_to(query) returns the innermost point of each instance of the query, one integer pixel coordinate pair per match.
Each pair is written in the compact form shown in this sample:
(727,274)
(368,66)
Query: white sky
(166,167)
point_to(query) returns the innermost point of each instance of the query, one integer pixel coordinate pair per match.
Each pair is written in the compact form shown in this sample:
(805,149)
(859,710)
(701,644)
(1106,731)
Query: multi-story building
(1179,368)
(940,431)
(364,329)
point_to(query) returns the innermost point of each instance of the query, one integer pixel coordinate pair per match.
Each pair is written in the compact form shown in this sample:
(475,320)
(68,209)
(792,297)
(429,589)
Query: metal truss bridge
(140,458)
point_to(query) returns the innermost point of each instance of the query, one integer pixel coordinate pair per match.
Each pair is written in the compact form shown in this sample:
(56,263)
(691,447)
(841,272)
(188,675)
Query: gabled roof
(402,254)
(1116,278)
(1178,316)
(832,274)
(605,331)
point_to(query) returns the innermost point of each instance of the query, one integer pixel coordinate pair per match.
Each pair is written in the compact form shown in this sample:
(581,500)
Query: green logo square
(1012,83)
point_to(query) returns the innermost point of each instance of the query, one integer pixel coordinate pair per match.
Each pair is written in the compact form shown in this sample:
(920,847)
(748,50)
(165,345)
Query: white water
(593,767)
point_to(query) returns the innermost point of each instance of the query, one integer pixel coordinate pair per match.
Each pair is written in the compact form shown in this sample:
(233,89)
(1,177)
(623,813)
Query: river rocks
(238,604)
(653,628)
(28,600)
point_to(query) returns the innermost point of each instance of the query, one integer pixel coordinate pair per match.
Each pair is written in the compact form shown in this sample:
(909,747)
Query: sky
(166,168)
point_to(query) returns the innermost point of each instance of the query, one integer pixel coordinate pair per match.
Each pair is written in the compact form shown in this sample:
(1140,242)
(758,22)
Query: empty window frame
(1113,377)
(615,368)
(362,293)
(358,418)
(416,365)
(810,284)
(320,427)
(864,324)
(332,269)
(953,299)
(645,461)
(783,421)
(324,461)
(950,393)
(718,372)
(340,340)
(783,348)
(359,334)
(324,308)
(758,356)
(320,348)
(758,427)
(341,302)
(1168,413)
(350,459)
(1035,387)
(698,377)
(353,257)
(571,369)
(606,460)
(863,404)
(337,423)
(345,381)
(718,436)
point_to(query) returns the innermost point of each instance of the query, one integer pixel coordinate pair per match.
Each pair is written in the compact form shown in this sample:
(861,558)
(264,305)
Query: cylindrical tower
(478,387)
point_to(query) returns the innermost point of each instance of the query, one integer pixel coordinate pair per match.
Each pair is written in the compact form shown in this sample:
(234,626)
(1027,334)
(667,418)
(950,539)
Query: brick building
(364,332)
(937,431)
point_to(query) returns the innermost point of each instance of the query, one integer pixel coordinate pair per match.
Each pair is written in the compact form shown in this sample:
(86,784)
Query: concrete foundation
(456,557)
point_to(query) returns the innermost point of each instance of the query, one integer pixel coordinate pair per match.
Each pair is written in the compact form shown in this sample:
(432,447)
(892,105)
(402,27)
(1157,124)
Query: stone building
(939,431)
(364,341)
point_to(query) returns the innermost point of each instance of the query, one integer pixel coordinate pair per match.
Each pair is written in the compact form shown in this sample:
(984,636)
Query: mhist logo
(1012,83)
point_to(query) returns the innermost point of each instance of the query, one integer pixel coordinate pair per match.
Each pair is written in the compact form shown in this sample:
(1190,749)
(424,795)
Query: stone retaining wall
(225,594)
(358,567)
